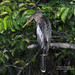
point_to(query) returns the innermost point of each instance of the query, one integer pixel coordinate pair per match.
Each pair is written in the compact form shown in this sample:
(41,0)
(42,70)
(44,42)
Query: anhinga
(43,33)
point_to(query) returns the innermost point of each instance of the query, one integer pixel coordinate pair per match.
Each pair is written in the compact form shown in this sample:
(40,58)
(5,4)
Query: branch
(58,45)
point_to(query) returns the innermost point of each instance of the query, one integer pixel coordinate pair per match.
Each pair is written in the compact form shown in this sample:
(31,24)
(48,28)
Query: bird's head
(36,16)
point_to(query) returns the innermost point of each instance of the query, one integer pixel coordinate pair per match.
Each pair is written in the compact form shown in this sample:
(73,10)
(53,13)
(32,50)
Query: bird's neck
(38,19)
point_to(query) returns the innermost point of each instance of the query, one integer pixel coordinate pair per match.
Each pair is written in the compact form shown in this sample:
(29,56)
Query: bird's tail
(43,63)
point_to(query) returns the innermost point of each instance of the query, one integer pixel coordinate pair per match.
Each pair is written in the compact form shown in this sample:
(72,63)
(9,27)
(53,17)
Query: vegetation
(14,39)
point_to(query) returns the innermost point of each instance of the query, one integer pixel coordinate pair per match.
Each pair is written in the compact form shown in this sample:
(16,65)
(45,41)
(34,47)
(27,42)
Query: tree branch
(58,45)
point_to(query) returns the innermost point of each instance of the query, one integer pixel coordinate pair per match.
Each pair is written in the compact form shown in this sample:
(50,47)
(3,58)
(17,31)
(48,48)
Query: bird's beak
(26,23)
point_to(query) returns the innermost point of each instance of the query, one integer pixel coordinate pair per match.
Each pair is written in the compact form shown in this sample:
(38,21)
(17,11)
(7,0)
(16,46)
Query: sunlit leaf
(5,22)
(3,13)
(22,9)
(6,56)
(16,62)
(27,40)
(64,14)
(21,4)
(32,4)
(5,3)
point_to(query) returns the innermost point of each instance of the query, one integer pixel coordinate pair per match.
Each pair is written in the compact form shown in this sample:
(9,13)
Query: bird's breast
(39,33)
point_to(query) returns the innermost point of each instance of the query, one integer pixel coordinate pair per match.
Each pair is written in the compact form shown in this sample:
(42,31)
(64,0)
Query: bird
(43,34)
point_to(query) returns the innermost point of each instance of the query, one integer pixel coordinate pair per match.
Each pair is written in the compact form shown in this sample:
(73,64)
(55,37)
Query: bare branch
(58,45)
(63,45)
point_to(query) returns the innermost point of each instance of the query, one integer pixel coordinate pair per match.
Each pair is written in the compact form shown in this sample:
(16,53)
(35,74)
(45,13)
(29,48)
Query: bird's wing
(45,28)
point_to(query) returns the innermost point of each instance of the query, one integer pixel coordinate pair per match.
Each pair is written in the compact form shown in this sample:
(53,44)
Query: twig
(28,63)
(11,66)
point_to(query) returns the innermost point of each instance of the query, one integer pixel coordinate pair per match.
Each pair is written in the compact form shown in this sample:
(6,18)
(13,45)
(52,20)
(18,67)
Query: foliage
(14,38)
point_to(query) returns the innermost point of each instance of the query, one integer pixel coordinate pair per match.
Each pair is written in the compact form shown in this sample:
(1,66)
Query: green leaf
(13,51)
(33,59)
(21,4)
(2,60)
(27,40)
(8,9)
(70,13)
(32,4)
(1,19)
(64,14)
(9,41)
(3,13)
(18,36)
(22,9)
(5,51)
(57,54)
(23,63)
(21,45)
(59,12)
(28,12)
(20,0)
(15,14)
(23,19)
(16,62)
(60,28)
(72,70)
(74,11)
(5,22)
(3,39)
(5,2)
(11,25)
(16,25)
(1,27)
(27,0)
(6,56)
